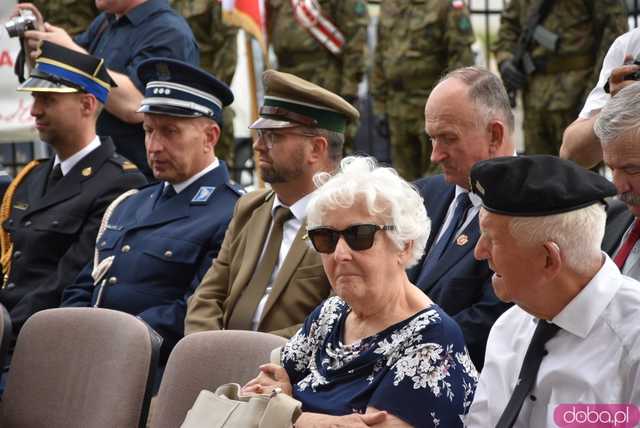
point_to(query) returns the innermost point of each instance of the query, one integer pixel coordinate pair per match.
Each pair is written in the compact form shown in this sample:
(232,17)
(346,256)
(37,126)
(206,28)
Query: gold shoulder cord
(6,246)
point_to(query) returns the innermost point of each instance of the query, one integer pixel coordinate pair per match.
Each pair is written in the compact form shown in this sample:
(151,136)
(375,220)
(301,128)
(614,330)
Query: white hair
(578,234)
(620,115)
(384,193)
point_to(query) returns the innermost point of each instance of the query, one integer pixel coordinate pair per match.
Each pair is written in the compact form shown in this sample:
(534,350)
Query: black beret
(537,185)
(176,88)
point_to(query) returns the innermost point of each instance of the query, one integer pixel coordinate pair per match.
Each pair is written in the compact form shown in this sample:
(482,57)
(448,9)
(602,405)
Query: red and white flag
(248,15)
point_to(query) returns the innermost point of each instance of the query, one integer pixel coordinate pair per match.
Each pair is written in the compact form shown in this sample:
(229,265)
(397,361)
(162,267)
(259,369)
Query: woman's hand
(271,376)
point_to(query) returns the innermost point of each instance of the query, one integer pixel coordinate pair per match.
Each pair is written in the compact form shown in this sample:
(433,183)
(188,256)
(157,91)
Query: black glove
(382,126)
(512,77)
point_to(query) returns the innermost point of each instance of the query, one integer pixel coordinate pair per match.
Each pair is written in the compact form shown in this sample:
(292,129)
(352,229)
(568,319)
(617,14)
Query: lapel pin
(462,240)
(87,171)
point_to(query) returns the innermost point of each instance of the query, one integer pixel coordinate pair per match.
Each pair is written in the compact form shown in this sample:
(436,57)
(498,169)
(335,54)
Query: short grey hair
(620,115)
(385,194)
(578,233)
(487,93)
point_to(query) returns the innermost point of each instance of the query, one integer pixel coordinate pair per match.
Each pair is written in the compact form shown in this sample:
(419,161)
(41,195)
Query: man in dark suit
(617,128)
(51,213)
(468,118)
(267,278)
(158,243)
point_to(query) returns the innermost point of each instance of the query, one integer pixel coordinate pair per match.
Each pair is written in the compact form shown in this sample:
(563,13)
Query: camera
(17,25)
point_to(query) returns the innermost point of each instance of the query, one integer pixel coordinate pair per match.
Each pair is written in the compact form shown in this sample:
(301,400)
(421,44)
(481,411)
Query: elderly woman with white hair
(380,352)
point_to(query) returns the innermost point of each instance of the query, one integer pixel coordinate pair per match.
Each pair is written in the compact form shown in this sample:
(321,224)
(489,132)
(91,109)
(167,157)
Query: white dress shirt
(594,357)
(67,164)
(627,43)
(476,203)
(290,229)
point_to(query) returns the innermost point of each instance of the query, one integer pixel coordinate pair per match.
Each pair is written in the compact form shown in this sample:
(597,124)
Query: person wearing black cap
(468,118)
(158,243)
(617,128)
(51,212)
(569,338)
(266,277)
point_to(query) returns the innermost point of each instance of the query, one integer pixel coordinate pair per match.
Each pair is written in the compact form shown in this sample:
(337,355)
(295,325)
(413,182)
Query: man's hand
(512,77)
(32,8)
(620,75)
(51,34)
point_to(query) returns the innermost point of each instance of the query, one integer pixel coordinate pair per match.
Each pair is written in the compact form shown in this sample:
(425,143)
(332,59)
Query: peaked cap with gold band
(62,70)
(291,101)
(176,88)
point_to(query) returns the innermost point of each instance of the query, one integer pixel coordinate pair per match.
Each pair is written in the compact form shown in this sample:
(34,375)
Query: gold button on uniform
(168,253)
(113,280)
(126,248)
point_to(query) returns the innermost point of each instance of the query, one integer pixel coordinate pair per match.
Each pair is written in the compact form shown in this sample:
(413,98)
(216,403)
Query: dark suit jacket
(161,252)
(54,234)
(618,220)
(461,285)
(299,287)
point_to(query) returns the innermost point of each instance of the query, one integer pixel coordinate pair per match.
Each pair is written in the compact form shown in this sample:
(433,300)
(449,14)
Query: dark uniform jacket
(162,250)
(461,285)
(53,235)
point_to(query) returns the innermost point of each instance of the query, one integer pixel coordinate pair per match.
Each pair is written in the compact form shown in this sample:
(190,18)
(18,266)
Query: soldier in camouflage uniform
(553,94)
(418,41)
(218,55)
(299,53)
(72,15)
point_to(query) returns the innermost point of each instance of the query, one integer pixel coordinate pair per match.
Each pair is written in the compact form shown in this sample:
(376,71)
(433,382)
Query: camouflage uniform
(72,15)
(218,55)
(556,90)
(301,54)
(418,41)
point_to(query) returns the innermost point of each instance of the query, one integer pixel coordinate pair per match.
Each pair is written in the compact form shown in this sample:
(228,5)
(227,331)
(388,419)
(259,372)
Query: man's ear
(88,104)
(496,133)
(553,261)
(319,148)
(212,132)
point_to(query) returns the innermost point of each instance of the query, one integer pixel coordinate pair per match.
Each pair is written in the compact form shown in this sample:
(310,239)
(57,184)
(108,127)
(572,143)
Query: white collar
(582,312)
(475,199)
(179,187)
(67,164)
(298,209)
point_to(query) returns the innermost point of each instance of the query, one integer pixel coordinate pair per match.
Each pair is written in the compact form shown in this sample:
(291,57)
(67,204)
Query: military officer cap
(291,101)
(62,70)
(176,88)
(537,185)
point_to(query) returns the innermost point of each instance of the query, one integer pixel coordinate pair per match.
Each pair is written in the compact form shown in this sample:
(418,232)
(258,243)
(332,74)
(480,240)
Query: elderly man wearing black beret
(568,340)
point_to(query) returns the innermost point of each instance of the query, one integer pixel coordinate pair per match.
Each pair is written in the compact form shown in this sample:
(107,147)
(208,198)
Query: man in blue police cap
(51,212)
(156,244)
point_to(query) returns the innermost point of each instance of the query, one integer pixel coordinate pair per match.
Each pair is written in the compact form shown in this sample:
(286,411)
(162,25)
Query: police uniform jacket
(54,234)
(298,288)
(161,250)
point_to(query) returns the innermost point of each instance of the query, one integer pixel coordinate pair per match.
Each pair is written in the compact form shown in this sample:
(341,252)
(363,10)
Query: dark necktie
(632,238)
(459,214)
(245,308)
(528,373)
(54,177)
(167,193)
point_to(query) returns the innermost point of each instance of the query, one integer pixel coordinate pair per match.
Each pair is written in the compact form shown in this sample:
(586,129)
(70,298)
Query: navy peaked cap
(176,88)
(537,185)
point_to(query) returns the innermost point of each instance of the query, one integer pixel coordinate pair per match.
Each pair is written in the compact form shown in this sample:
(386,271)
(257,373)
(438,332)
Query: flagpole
(253,99)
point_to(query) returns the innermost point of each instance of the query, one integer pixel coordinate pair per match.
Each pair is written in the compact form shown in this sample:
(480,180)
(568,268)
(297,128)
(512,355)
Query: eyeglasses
(271,137)
(359,237)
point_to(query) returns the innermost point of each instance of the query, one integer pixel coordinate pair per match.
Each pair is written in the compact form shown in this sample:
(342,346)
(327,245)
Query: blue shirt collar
(139,13)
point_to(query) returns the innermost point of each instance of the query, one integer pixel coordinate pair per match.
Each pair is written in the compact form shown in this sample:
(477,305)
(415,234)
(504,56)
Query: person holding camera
(619,69)
(126,33)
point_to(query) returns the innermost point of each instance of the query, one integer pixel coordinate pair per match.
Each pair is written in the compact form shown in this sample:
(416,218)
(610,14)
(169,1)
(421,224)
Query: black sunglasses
(359,237)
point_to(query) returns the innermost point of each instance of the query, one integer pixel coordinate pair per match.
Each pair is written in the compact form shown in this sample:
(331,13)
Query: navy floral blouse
(418,369)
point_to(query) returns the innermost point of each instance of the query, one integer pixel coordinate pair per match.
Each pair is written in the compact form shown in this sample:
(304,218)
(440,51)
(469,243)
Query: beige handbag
(227,408)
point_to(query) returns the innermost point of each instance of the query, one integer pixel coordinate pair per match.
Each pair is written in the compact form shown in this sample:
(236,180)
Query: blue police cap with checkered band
(175,88)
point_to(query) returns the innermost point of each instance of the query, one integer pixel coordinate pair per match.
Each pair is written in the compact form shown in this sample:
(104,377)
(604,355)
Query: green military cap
(291,101)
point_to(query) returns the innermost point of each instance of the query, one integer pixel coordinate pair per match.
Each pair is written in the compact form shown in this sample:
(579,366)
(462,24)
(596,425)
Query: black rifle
(533,31)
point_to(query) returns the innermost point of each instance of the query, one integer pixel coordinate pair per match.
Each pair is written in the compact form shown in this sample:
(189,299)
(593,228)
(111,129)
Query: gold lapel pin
(87,171)
(462,240)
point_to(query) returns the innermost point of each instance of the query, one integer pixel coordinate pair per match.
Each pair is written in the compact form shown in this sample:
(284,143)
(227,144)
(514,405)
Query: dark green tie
(247,303)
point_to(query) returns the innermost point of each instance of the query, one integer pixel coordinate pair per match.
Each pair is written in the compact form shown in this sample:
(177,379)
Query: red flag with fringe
(248,15)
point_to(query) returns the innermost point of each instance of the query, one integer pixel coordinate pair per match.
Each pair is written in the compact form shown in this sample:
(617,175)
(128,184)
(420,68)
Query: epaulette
(123,163)
(236,188)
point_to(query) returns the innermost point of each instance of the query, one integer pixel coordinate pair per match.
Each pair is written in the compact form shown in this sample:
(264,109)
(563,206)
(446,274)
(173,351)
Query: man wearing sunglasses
(266,277)
(468,119)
